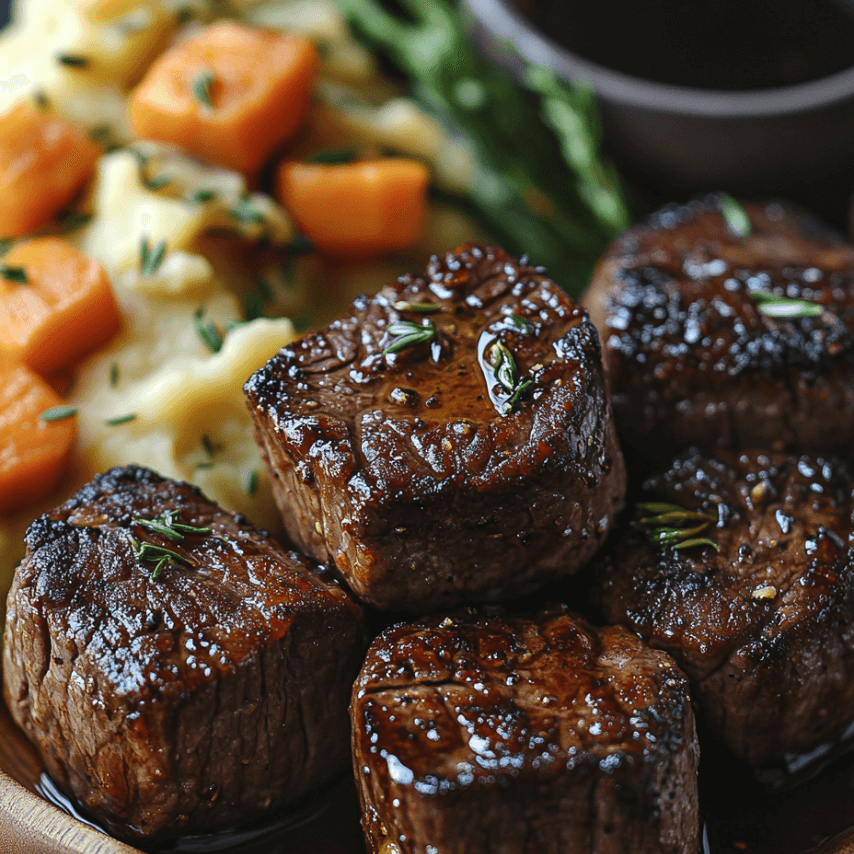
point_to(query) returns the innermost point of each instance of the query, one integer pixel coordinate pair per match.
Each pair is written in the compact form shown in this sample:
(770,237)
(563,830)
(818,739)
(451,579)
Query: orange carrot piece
(33,452)
(56,305)
(362,208)
(231,94)
(44,163)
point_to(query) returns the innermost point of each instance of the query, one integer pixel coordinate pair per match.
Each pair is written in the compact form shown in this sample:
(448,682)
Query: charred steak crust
(542,735)
(691,359)
(765,628)
(188,702)
(401,468)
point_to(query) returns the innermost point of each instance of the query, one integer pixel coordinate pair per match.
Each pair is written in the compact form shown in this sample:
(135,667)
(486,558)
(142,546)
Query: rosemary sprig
(202,87)
(672,525)
(252,483)
(503,366)
(408,334)
(14,274)
(785,308)
(150,259)
(166,525)
(506,373)
(159,556)
(207,331)
(419,307)
(735,216)
(335,156)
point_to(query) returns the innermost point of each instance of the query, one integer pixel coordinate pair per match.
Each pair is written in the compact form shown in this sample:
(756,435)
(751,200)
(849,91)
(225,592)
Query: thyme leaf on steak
(506,374)
(408,334)
(785,308)
(166,525)
(672,525)
(735,216)
(419,307)
(521,324)
(159,556)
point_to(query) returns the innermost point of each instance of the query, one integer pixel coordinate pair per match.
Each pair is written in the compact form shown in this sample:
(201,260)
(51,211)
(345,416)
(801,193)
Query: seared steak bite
(489,734)
(449,439)
(189,700)
(699,352)
(765,627)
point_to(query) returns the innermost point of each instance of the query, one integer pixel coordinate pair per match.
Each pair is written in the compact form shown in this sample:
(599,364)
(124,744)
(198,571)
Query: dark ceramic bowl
(765,140)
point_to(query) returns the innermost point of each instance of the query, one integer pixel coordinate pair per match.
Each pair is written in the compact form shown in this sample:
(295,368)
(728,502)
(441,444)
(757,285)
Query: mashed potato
(166,392)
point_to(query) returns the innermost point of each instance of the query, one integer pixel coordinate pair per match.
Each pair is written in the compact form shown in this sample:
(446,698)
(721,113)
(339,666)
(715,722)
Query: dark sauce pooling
(727,44)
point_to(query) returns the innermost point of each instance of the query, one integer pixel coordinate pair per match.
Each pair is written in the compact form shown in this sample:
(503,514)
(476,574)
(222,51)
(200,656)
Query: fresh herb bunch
(543,187)
(672,525)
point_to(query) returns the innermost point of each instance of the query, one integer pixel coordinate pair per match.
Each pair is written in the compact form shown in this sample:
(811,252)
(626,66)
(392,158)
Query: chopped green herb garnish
(735,216)
(408,334)
(41,100)
(114,374)
(252,483)
(335,156)
(73,60)
(420,307)
(58,413)
(503,366)
(159,556)
(120,419)
(671,525)
(520,389)
(245,212)
(149,259)
(210,335)
(202,87)
(202,196)
(785,308)
(521,323)
(14,274)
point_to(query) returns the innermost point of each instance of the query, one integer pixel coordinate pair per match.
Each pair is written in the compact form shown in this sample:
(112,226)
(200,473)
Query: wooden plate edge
(31,825)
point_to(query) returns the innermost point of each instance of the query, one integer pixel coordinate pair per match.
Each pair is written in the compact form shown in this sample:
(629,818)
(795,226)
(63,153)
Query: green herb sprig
(506,374)
(166,525)
(73,60)
(58,413)
(735,216)
(785,308)
(409,334)
(672,525)
(418,307)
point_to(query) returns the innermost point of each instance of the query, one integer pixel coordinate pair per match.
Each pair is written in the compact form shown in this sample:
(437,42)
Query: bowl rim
(506,23)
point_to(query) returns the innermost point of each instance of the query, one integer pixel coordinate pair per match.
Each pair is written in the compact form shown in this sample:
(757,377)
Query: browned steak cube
(719,340)
(449,439)
(765,627)
(490,734)
(189,700)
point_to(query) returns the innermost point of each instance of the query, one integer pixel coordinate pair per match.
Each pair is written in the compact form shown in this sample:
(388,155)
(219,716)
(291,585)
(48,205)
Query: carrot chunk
(33,452)
(362,208)
(44,163)
(231,94)
(56,305)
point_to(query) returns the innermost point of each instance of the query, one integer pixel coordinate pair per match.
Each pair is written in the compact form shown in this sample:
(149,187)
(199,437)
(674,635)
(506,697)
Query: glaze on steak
(492,734)
(691,358)
(423,479)
(183,703)
(765,628)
